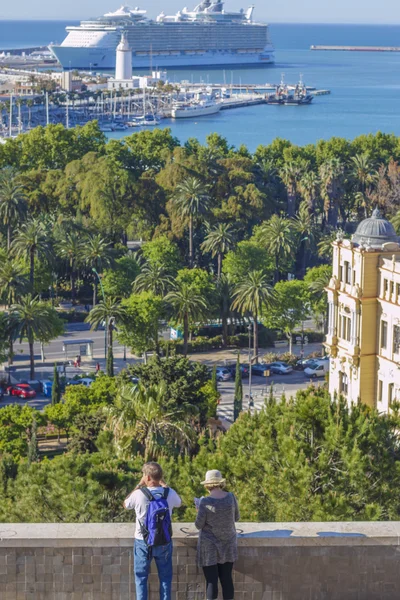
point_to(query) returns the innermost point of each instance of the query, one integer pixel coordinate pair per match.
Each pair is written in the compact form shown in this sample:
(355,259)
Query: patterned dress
(217,538)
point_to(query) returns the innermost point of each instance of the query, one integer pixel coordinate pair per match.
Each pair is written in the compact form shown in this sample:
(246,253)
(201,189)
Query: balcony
(277,561)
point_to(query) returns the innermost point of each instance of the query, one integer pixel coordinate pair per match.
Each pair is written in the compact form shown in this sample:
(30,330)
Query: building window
(396,339)
(384,334)
(391,290)
(354,277)
(397,292)
(347,271)
(390,394)
(380,390)
(345,328)
(340,273)
(343,383)
(385,286)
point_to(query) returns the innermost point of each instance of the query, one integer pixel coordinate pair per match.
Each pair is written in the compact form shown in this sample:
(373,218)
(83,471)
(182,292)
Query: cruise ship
(208,36)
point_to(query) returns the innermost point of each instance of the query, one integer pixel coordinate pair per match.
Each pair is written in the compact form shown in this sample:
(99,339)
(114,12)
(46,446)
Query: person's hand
(141,483)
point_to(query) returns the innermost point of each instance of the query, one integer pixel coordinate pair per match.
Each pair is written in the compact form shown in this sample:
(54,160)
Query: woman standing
(217,546)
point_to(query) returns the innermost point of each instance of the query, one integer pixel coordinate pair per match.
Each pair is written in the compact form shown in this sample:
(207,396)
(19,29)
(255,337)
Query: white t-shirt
(138,502)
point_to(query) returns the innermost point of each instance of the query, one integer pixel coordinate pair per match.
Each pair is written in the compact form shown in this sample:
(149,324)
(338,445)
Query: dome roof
(375,231)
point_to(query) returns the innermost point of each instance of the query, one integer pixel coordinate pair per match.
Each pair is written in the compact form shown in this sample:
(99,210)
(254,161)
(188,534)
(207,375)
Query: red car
(23,390)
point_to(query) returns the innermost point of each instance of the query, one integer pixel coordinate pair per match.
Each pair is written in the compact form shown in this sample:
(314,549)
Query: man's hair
(153,470)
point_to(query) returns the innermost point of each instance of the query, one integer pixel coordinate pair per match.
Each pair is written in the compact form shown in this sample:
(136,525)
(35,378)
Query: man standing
(152,490)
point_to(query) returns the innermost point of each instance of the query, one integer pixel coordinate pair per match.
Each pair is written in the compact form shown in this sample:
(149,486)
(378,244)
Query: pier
(358,48)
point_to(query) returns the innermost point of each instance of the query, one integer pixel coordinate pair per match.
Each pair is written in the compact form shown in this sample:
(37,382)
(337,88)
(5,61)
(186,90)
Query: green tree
(59,415)
(33,449)
(238,396)
(96,255)
(33,320)
(12,201)
(251,296)
(290,309)
(31,242)
(291,173)
(277,236)
(214,378)
(113,314)
(191,201)
(153,278)
(161,252)
(139,421)
(55,388)
(13,280)
(218,241)
(188,306)
(317,279)
(332,174)
(247,256)
(118,281)
(140,330)
(303,225)
(70,248)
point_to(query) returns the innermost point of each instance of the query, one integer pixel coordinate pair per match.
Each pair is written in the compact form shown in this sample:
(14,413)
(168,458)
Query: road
(281,384)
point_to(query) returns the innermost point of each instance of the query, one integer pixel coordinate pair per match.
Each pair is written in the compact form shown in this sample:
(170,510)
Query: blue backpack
(157,528)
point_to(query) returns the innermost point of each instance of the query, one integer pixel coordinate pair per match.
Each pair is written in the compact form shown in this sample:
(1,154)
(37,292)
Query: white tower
(123,65)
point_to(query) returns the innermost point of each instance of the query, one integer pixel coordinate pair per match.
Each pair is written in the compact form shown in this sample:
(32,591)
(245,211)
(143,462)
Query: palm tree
(251,295)
(32,241)
(363,175)
(70,248)
(309,189)
(188,307)
(219,241)
(278,237)
(191,201)
(153,278)
(13,280)
(332,178)
(12,201)
(290,175)
(304,226)
(138,416)
(110,312)
(224,294)
(96,255)
(30,320)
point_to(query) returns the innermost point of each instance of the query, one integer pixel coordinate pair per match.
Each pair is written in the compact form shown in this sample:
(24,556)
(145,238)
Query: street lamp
(106,323)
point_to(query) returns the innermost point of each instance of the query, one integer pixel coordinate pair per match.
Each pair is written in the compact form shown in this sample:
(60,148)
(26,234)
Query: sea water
(365,86)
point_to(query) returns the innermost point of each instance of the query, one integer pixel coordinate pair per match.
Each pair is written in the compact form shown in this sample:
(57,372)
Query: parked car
(23,390)
(317,369)
(223,374)
(280,368)
(243,368)
(259,369)
(84,381)
(304,363)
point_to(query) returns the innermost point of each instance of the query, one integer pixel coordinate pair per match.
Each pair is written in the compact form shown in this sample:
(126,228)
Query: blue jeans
(142,560)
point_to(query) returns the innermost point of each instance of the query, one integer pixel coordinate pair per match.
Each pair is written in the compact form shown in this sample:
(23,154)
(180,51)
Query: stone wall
(277,561)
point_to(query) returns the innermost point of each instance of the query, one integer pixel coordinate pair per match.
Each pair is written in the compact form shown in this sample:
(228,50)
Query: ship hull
(181,113)
(104,58)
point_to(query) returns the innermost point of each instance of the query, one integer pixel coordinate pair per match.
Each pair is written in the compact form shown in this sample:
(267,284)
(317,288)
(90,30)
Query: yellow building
(363,337)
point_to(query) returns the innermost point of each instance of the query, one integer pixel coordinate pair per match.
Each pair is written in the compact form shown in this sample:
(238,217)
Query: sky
(294,11)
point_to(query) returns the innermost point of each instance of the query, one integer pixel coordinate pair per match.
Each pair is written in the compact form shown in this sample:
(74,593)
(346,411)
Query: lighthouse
(123,65)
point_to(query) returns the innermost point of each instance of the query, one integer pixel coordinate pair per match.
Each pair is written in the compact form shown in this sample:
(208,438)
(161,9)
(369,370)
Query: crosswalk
(225,410)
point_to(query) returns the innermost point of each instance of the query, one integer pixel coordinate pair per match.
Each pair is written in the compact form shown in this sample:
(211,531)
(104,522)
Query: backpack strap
(166,492)
(147,493)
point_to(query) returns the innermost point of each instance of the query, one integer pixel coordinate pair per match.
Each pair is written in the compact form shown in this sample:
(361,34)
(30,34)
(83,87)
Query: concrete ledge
(277,561)
(39,535)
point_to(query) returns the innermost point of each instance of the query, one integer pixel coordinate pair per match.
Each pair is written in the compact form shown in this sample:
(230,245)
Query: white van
(317,369)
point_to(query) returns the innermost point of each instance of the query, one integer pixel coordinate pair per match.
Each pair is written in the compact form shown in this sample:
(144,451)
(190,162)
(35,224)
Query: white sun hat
(213,477)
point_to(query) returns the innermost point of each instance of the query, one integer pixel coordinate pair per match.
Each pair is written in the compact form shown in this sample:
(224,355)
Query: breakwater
(358,48)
